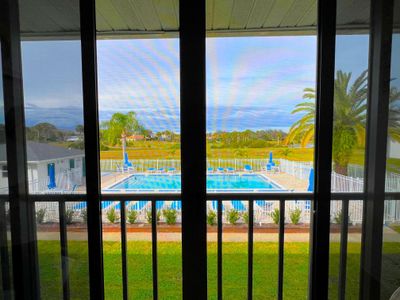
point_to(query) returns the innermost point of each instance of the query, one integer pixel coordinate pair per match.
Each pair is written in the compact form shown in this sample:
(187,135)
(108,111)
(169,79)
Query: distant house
(73,138)
(298,146)
(135,137)
(48,166)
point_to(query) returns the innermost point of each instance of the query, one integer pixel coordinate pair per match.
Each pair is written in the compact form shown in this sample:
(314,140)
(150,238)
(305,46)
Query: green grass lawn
(170,274)
(395,227)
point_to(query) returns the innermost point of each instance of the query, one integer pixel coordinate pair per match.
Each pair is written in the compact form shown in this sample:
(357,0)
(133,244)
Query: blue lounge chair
(230,169)
(260,203)
(139,205)
(307,204)
(79,206)
(177,205)
(161,170)
(210,170)
(238,205)
(214,205)
(107,204)
(117,206)
(151,170)
(220,169)
(159,205)
(248,168)
(263,203)
(171,170)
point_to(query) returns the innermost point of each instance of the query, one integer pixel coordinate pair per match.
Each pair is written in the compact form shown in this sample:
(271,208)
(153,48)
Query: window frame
(192,71)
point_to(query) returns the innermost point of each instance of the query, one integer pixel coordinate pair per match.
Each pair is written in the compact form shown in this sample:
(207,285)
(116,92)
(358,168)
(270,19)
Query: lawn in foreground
(170,275)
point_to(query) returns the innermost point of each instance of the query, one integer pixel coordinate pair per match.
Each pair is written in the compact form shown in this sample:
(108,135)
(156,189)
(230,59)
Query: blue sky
(252,82)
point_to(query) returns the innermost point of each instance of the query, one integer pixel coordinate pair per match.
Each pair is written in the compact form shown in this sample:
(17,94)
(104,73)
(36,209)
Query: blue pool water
(222,182)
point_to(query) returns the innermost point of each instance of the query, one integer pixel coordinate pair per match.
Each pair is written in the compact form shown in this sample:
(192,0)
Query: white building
(64,167)
(393,149)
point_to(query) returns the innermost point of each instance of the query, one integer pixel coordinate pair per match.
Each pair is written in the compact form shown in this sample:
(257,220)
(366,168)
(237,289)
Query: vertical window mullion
(22,211)
(250,249)
(193,148)
(4,252)
(92,154)
(377,127)
(124,258)
(64,250)
(319,261)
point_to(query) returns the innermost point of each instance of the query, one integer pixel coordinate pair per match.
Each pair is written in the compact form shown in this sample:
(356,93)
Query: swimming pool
(215,183)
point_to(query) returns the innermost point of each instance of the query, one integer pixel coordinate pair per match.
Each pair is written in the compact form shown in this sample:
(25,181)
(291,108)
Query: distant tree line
(49,133)
(246,139)
(120,127)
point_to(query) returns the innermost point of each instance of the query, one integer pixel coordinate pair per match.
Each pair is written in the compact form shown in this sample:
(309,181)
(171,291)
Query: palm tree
(119,127)
(349,120)
(394,114)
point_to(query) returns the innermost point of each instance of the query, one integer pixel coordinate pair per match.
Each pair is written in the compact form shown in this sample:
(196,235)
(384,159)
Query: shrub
(149,216)
(170,216)
(211,218)
(275,215)
(246,217)
(295,216)
(40,214)
(104,147)
(84,215)
(233,216)
(69,215)
(132,216)
(338,217)
(112,215)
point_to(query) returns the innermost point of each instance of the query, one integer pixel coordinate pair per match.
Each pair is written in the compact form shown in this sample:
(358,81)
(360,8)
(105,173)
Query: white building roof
(44,152)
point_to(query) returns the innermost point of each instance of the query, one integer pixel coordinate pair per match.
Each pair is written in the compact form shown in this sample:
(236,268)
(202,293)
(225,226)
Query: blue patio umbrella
(311,181)
(271,161)
(52,176)
(126,160)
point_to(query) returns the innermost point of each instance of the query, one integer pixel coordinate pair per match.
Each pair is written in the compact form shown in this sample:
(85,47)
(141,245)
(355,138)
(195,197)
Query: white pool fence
(300,170)
(263,210)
